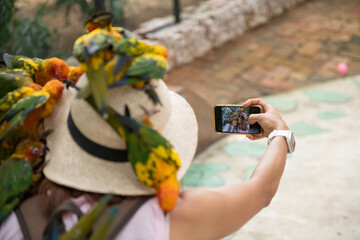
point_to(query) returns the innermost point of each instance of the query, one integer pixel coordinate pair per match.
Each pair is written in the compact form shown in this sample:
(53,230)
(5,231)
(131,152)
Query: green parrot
(16,174)
(103,230)
(93,50)
(30,110)
(84,226)
(152,157)
(142,69)
(129,48)
(41,70)
(12,79)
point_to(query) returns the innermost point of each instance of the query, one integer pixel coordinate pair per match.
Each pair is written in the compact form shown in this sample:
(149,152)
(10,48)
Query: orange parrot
(42,70)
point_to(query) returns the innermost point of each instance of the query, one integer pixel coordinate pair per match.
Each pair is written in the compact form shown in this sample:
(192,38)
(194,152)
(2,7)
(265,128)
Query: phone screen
(235,119)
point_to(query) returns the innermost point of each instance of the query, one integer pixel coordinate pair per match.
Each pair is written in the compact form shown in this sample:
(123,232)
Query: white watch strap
(282,133)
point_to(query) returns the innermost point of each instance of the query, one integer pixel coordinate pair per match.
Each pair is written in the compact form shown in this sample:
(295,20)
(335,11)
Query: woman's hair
(54,194)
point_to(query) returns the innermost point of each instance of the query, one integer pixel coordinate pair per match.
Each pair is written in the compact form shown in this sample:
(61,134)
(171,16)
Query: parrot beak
(68,83)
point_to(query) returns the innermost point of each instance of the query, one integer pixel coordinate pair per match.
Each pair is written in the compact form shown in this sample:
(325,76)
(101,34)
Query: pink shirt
(149,222)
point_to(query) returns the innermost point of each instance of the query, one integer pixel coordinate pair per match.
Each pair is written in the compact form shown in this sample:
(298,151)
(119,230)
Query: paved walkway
(319,194)
(301,47)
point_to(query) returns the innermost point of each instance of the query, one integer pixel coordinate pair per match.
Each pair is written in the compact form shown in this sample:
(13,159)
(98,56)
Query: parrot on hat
(93,50)
(152,157)
(30,109)
(129,48)
(103,20)
(16,174)
(142,69)
(41,70)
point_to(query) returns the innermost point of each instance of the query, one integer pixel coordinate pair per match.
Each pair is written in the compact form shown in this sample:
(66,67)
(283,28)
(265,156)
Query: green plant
(88,8)
(25,36)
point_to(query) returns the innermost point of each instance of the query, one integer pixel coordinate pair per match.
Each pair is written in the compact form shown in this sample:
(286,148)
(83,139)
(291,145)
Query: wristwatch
(289,136)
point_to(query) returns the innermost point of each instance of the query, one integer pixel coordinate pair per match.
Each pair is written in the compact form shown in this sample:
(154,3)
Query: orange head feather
(31,150)
(55,68)
(74,73)
(160,50)
(55,89)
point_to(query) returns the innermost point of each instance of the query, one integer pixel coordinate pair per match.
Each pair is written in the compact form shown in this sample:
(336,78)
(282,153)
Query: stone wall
(210,25)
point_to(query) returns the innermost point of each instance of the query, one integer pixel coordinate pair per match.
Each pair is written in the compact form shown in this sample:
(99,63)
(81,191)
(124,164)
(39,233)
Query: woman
(243,125)
(230,126)
(75,172)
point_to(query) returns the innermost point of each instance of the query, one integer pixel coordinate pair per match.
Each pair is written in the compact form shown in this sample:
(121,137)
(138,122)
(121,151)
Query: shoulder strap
(34,223)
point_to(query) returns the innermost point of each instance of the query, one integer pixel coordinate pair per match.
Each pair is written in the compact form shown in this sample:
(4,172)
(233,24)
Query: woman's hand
(269,120)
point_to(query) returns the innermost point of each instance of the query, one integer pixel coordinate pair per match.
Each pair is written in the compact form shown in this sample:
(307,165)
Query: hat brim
(69,165)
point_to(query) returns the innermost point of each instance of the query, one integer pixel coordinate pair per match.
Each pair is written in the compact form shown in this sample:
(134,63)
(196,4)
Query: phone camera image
(235,119)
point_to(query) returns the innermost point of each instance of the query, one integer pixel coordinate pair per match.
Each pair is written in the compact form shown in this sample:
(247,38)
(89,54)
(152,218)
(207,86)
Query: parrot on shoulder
(11,79)
(152,157)
(29,110)
(41,70)
(142,69)
(16,174)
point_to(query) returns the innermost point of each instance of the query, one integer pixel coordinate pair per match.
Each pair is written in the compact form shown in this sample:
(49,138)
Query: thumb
(253,118)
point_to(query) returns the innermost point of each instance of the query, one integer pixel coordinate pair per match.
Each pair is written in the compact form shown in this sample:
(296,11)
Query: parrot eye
(36,151)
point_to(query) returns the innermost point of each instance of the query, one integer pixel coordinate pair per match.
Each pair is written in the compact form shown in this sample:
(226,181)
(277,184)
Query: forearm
(270,168)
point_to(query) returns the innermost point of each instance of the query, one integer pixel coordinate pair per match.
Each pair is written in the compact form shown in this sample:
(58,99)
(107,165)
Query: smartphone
(235,119)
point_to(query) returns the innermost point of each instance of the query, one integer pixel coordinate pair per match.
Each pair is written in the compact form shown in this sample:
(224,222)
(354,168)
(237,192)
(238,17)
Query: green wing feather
(7,101)
(12,79)
(84,226)
(15,177)
(19,110)
(151,65)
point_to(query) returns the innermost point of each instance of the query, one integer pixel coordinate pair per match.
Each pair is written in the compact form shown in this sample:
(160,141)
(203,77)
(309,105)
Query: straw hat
(72,166)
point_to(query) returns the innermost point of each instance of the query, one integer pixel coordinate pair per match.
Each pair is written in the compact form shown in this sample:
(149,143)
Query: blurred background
(302,56)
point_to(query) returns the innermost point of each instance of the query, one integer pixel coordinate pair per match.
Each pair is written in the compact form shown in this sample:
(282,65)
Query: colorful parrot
(103,21)
(152,157)
(84,226)
(129,48)
(16,174)
(142,69)
(93,50)
(74,74)
(41,70)
(12,79)
(29,110)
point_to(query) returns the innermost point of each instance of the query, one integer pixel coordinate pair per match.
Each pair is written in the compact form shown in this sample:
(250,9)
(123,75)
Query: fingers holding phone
(269,120)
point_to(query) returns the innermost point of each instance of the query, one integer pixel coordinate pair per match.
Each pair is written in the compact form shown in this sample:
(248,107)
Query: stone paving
(319,195)
(301,47)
